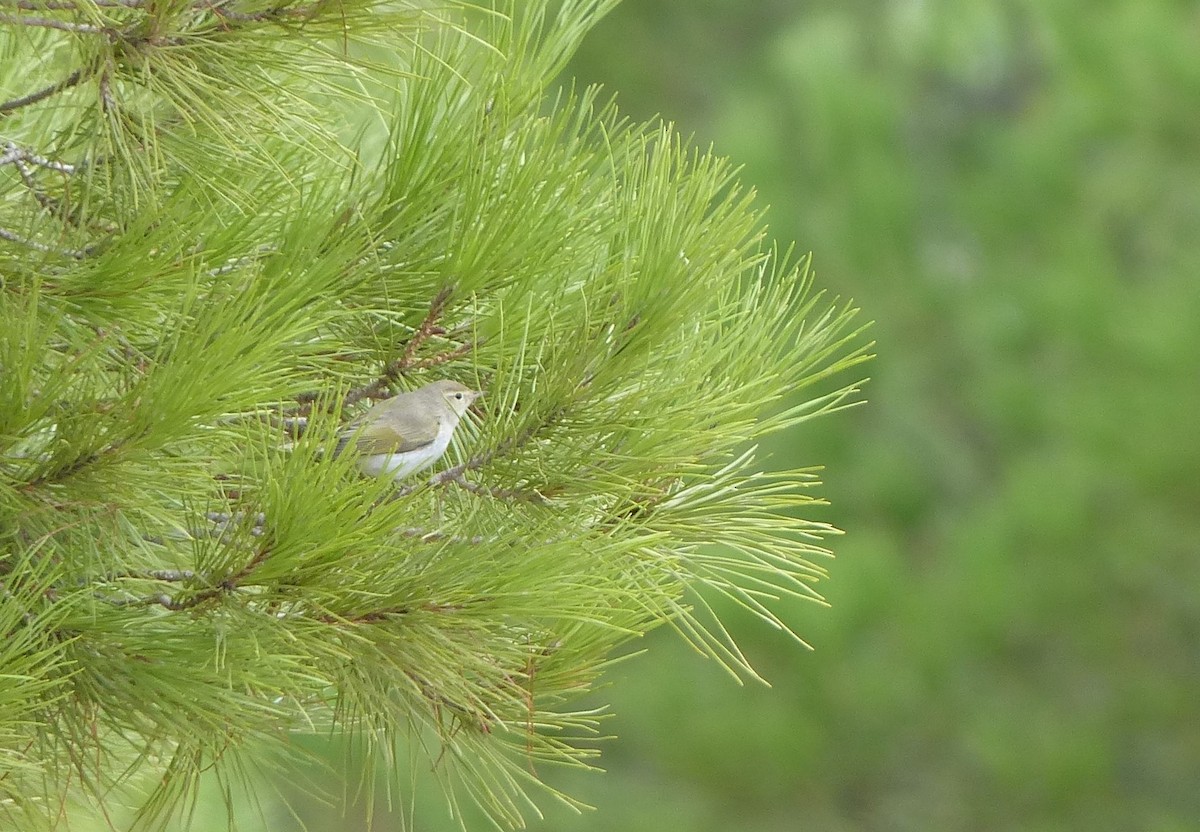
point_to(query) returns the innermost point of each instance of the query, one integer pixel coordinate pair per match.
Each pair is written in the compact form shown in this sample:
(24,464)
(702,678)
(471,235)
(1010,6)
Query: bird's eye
(458,396)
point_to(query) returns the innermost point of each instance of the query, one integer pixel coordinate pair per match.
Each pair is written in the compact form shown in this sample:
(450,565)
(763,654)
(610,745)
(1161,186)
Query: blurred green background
(1011,190)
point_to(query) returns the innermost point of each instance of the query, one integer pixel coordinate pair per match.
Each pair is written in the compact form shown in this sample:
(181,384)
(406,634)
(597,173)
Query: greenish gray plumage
(410,431)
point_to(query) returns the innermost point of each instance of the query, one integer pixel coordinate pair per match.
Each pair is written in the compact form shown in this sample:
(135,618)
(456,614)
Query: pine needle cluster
(226,226)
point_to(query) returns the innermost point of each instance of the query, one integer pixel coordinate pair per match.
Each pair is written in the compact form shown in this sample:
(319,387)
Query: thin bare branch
(524,495)
(276,13)
(382,386)
(45,92)
(69,5)
(23,158)
(13,237)
(426,328)
(168,575)
(442,358)
(51,23)
(175,603)
(429,536)
(18,155)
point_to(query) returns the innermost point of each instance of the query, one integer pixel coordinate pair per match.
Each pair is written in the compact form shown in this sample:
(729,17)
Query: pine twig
(529,496)
(267,15)
(166,575)
(207,594)
(14,155)
(51,23)
(427,327)
(442,358)
(425,330)
(75,253)
(52,206)
(382,386)
(69,5)
(428,536)
(45,92)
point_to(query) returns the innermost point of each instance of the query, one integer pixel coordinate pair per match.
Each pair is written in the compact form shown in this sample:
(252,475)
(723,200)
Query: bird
(408,432)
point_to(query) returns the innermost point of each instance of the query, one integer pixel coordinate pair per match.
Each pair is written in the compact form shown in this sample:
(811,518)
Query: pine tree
(227,226)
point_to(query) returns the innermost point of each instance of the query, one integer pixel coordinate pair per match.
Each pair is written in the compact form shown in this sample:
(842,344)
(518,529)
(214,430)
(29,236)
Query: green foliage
(223,227)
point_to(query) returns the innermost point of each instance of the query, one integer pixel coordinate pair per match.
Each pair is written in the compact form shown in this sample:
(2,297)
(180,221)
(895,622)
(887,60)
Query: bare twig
(69,5)
(17,155)
(52,206)
(427,536)
(106,100)
(222,521)
(45,92)
(442,358)
(382,386)
(51,23)
(529,496)
(76,253)
(237,577)
(479,460)
(174,603)
(167,575)
(266,15)
(235,263)
(456,475)
(426,328)
(26,162)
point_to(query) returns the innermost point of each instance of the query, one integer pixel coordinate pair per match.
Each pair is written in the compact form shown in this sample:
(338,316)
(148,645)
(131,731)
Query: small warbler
(409,431)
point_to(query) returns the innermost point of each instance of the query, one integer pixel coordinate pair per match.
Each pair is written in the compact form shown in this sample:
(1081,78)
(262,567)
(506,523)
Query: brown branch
(382,386)
(267,15)
(394,369)
(456,475)
(480,716)
(70,469)
(107,104)
(259,558)
(166,575)
(442,358)
(45,92)
(52,206)
(75,253)
(69,5)
(377,616)
(512,443)
(427,536)
(426,328)
(168,602)
(529,496)
(51,23)
(221,520)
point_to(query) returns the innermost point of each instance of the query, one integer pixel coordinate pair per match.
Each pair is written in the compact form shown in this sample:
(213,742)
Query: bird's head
(457,396)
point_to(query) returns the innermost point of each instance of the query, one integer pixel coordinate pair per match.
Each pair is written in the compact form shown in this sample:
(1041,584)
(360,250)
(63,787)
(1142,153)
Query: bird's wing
(390,431)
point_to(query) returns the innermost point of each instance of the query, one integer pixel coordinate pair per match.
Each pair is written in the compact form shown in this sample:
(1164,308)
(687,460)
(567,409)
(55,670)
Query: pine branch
(50,23)
(186,567)
(70,5)
(13,237)
(75,78)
